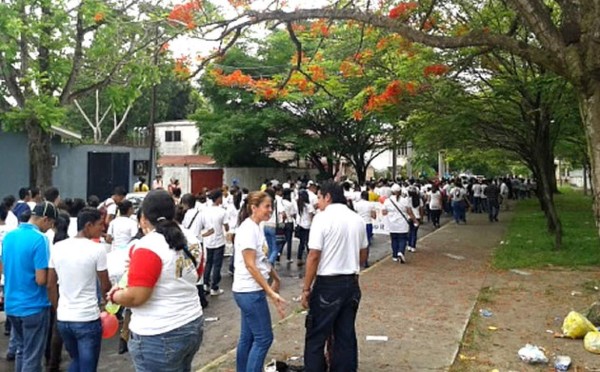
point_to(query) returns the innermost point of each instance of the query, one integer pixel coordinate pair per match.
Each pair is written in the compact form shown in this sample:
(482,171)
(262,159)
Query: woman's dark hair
(364,195)
(158,208)
(414,196)
(335,191)
(287,194)
(237,200)
(8,201)
(255,198)
(93,201)
(76,207)
(188,201)
(124,207)
(62,226)
(140,232)
(3,212)
(270,192)
(303,200)
(179,213)
(87,215)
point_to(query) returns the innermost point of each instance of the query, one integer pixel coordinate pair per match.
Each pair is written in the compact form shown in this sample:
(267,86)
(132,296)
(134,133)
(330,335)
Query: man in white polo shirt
(338,247)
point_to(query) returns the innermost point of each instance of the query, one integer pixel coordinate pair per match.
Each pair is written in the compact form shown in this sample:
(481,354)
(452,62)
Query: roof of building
(185,160)
(175,123)
(65,133)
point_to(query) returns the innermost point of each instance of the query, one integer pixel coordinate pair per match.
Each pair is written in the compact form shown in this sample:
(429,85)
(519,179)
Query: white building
(176,137)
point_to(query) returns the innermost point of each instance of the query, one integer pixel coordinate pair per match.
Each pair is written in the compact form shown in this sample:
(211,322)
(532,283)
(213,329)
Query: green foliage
(527,243)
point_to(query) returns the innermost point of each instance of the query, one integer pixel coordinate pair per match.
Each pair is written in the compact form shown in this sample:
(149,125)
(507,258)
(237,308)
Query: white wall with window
(176,137)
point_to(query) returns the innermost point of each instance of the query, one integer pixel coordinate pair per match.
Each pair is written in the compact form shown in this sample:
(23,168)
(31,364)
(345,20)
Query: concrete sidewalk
(423,307)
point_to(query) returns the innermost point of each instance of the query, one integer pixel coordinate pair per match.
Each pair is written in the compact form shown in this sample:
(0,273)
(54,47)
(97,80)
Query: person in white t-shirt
(338,247)
(166,321)
(399,215)
(122,229)
(477,192)
(250,286)
(79,263)
(435,202)
(306,212)
(458,196)
(109,206)
(214,219)
(366,210)
(312,189)
(289,209)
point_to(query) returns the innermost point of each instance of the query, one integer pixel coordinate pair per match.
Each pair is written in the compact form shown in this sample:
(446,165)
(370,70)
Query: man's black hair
(51,194)
(335,190)
(120,190)
(23,192)
(87,215)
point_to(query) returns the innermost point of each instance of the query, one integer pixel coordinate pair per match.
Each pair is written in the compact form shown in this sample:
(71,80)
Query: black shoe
(122,346)
(10,357)
(7,332)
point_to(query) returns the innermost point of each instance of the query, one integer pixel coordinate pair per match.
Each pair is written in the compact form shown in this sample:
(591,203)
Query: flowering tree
(54,52)
(561,36)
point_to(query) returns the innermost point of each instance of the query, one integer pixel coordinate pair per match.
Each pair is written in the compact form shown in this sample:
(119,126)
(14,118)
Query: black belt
(336,278)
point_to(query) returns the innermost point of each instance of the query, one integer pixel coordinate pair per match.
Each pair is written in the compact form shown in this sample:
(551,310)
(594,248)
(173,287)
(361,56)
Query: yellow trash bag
(576,325)
(591,342)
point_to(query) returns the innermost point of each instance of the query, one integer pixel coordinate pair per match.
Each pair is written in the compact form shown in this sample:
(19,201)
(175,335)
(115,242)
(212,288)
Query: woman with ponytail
(166,322)
(250,286)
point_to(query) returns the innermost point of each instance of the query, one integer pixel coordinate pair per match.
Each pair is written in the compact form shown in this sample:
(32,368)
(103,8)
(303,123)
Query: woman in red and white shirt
(166,323)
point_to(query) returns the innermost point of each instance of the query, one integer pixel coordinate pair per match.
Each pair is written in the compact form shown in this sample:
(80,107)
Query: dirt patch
(528,309)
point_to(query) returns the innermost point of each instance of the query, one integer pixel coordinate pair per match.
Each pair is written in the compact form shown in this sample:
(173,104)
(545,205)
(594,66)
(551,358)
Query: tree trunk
(590,113)
(40,156)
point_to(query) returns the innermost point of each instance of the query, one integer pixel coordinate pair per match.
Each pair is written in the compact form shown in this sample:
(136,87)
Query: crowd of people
(65,259)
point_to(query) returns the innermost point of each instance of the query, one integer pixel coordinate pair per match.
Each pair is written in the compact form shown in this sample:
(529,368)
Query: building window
(173,136)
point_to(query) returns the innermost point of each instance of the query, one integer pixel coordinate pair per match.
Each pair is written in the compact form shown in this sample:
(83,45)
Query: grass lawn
(528,244)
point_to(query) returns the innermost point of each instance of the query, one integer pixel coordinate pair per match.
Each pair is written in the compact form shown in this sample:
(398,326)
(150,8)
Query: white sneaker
(401,257)
(411,249)
(290,261)
(394,259)
(217,292)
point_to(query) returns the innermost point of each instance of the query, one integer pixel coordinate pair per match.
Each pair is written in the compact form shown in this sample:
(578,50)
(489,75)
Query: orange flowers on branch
(435,70)
(184,14)
(403,10)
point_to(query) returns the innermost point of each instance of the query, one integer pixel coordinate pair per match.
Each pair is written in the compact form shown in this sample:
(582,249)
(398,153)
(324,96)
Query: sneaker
(290,260)
(411,249)
(394,259)
(401,257)
(216,292)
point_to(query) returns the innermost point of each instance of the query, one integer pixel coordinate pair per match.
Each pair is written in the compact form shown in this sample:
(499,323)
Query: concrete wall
(71,174)
(14,163)
(252,178)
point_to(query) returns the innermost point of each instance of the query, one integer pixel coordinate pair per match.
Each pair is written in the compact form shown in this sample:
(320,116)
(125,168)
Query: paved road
(220,336)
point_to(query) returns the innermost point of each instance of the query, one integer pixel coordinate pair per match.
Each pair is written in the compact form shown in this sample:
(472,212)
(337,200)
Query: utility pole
(153,115)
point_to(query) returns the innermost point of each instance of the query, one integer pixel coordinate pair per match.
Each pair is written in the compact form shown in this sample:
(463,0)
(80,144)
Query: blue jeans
(83,341)
(333,305)
(493,209)
(214,262)
(399,241)
(459,211)
(272,243)
(31,333)
(412,235)
(256,334)
(172,351)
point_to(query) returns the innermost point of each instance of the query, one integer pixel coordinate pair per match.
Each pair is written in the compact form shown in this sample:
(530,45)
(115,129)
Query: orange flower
(98,17)
(164,48)
(298,28)
(181,68)
(317,72)
(411,88)
(319,28)
(235,79)
(435,70)
(402,10)
(357,115)
(183,14)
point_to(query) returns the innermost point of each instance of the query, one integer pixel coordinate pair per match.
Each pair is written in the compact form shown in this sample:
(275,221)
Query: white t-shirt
(364,209)
(249,235)
(193,222)
(122,229)
(290,210)
(304,219)
(312,198)
(72,230)
(11,220)
(457,193)
(214,218)
(232,217)
(174,300)
(396,223)
(77,262)
(195,249)
(435,200)
(339,234)
(483,188)
(477,190)
(111,207)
